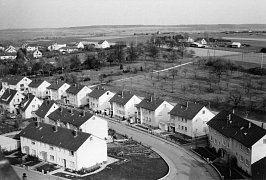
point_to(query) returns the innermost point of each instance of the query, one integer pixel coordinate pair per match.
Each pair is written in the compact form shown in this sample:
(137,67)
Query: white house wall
(259,150)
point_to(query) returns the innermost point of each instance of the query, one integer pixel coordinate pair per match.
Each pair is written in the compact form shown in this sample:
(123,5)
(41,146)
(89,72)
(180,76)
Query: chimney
(37,124)
(249,125)
(55,128)
(83,113)
(122,94)
(75,133)
(151,99)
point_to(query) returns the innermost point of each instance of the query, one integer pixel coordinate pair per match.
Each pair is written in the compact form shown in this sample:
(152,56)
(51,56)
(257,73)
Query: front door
(64,161)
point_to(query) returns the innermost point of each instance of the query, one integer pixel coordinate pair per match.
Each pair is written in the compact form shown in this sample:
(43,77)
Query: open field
(204,52)
(249,58)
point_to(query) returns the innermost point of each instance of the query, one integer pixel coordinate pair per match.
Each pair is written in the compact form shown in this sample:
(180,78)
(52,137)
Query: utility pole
(261,63)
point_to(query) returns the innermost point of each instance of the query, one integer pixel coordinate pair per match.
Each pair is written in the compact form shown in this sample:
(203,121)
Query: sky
(71,13)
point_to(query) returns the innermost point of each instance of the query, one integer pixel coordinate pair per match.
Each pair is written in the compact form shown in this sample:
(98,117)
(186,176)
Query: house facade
(237,139)
(67,148)
(79,120)
(19,83)
(103,44)
(57,90)
(46,108)
(152,111)
(29,105)
(123,104)
(11,49)
(99,100)
(37,54)
(189,119)
(39,88)
(11,100)
(76,95)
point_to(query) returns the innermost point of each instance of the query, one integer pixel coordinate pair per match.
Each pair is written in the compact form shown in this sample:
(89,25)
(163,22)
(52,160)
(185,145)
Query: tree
(36,67)
(153,51)
(74,62)
(18,67)
(132,52)
(112,133)
(235,97)
(91,62)
(185,72)
(21,53)
(174,73)
(173,55)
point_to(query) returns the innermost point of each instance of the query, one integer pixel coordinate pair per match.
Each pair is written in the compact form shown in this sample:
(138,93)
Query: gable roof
(63,138)
(188,111)
(56,85)
(101,41)
(235,127)
(12,80)
(36,84)
(26,102)
(150,103)
(258,169)
(97,92)
(44,108)
(75,89)
(71,116)
(8,95)
(121,97)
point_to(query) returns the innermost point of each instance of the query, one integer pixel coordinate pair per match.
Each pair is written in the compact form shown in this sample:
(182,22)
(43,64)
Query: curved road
(184,165)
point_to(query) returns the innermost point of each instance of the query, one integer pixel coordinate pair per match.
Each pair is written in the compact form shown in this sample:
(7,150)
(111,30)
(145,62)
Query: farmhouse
(11,100)
(154,111)
(29,105)
(189,119)
(81,121)
(237,139)
(103,44)
(39,88)
(99,99)
(47,107)
(76,95)
(123,104)
(236,45)
(67,148)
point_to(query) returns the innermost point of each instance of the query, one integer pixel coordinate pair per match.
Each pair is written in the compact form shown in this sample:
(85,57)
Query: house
(11,49)
(258,169)
(57,89)
(39,88)
(80,45)
(8,57)
(153,111)
(79,120)
(103,44)
(31,47)
(8,144)
(19,83)
(37,54)
(99,100)
(11,100)
(47,107)
(235,45)
(56,47)
(123,104)
(29,105)
(76,95)
(70,149)
(201,41)
(189,119)
(237,139)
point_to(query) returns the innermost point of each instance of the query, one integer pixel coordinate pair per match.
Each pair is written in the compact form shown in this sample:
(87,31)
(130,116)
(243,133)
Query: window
(215,141)
(223,142)
(211,138)
(71,164)
(185,128)
(71,153)
(203,112)
(51,157)
(51,148)
(32,142)
(33,152)
(241,158)
(33,106)
(264,141)
(247,162)
(182,127)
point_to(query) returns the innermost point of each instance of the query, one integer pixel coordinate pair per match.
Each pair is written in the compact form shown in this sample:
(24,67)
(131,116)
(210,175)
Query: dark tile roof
(75,89)
(44,108)
(188,110)
(235,127)
(97,92)
(63,138)
(35,84)
(150,103)
(101,41)
(8,96)
(26,101)
(121,97)
(56,85)
(71,116)
(13,80)
(258,169)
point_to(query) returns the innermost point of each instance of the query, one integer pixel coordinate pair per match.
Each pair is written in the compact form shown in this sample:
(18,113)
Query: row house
(76,95)
(81,121)
(237,139)
(123,104)
(19,83)
(57,90)
(154,112)
(67,148)
(46,108)
(39,88)
(29,105)
(189,119)
(11,100)
(99,100)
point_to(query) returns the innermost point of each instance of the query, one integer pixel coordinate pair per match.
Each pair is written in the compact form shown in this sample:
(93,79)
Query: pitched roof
(71,116)
(44,108)
(13,80)
(101,41)
(75,89)
(121,97)
(150,103)
(56,85)
(97,92)
(258,169)
(35,84)
(188,111)
(235,127)
(63,138)
(26,102)
(8,95)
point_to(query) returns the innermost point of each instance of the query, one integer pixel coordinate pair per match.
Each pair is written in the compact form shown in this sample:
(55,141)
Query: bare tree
(235,97)
(185,72)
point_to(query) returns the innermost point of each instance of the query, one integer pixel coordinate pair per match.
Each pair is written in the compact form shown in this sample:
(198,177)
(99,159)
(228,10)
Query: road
(183,164)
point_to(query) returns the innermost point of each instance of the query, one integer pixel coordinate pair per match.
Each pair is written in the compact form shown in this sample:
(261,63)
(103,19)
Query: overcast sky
(69,13)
